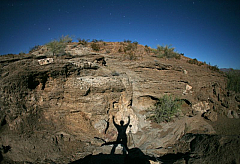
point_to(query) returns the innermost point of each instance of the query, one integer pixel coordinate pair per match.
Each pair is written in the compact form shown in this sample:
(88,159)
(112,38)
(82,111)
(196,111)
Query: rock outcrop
(62,111)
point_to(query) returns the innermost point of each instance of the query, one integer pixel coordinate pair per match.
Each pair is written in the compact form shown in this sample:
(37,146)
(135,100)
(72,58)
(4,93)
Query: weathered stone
(153,162)
(187,90)
(201,107)
(235,114)
(101,126)
(232,114)
(64,110)
(229,114)
(185,72)
(45,61)
(210,115)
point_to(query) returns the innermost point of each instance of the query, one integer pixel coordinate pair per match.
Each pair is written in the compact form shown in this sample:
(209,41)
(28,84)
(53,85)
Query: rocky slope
(58,109)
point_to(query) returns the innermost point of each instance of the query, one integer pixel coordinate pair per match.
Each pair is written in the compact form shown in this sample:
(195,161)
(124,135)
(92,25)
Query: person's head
(122,122)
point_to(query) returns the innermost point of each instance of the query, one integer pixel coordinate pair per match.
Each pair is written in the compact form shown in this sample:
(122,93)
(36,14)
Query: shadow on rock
(172,158)
(134,156)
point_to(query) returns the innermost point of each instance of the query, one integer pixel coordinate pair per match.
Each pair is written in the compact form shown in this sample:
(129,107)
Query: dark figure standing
(122,136)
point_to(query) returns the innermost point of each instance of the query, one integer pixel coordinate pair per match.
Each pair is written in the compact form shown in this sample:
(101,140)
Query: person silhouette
(122,136)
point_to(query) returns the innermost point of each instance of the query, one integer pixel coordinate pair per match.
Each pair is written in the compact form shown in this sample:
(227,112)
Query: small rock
(153,162)
(211,115)
(185,72)
(235,114)
(232,114)
(229,115)
(188,87)
(45,61)
(201,107)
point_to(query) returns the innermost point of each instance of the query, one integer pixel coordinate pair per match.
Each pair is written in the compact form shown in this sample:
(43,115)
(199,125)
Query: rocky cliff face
(57,109)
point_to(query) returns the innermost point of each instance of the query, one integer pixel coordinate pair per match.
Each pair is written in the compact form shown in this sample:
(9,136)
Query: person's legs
(113,148)
(118,141)
(124,145)
(124,150)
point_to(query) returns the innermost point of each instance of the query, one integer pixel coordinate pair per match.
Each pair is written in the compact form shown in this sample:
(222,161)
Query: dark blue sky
(208,30)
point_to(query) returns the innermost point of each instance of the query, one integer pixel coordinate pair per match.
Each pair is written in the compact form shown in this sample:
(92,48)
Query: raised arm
(128,121)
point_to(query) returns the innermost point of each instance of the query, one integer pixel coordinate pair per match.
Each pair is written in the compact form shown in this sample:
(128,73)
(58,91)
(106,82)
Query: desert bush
(130,47)
(164,109)
(83,41)
(195,61)
(22,53)
(127,41)
(177,57)
(8,55)
(135,42)
(57,47)
(233,83)
(165,51)
(65,39)
(95,46)
(120,50)
(213,68)
(95,41)
(147,49)
(131,55)
(35,48)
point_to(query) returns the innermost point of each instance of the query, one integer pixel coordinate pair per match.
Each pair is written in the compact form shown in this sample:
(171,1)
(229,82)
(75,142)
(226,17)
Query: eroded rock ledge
(53,111)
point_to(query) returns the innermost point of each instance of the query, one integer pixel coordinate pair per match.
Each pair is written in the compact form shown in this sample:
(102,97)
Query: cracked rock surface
(61,111)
